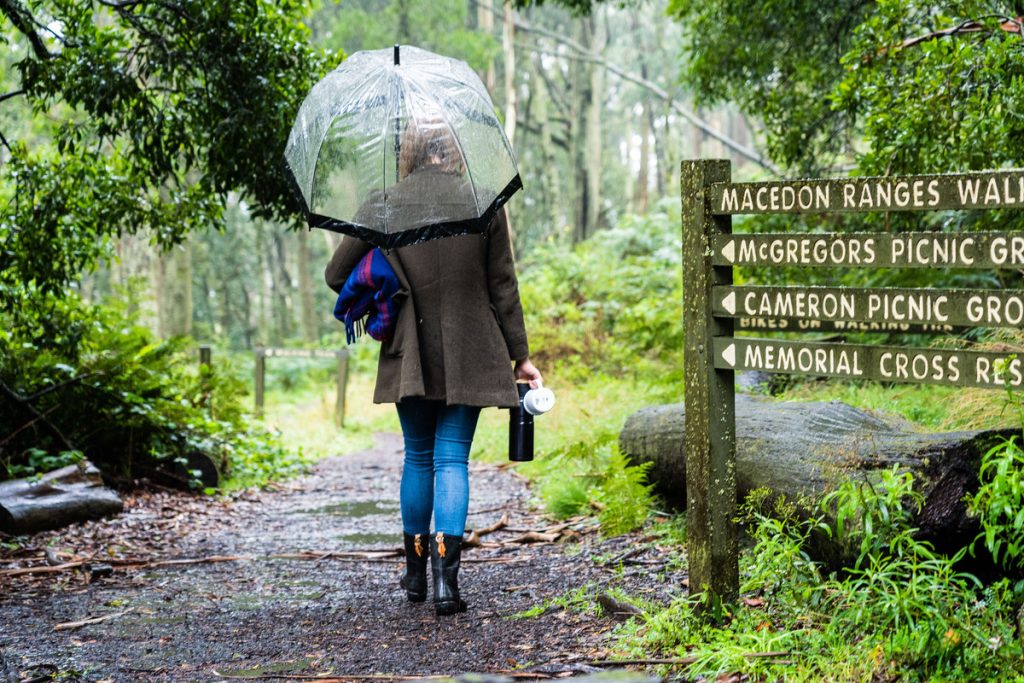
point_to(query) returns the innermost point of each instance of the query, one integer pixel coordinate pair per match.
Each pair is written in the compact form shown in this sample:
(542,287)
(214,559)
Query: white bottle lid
(538,401)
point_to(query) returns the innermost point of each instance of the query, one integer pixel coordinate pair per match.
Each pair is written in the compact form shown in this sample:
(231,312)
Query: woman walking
(458,345)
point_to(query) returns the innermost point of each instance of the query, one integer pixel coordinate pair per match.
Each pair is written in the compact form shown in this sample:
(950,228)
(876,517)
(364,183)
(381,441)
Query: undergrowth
(110,391)
(901,612)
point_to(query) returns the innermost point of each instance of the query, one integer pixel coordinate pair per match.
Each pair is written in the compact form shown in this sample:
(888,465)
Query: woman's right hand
(526,371)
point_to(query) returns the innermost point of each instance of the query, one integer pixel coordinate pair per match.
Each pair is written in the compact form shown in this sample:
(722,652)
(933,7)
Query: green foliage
(875,517)
(594,474)
(127,401)
(779,61)
(612,303)
(930,102)
(157,111)
(904,612)
(892,84)
(999,503)
(439,26)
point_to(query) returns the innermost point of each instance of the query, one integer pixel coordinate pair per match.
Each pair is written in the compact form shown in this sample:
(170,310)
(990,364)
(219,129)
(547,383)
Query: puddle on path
(371,539)
(269,670)
(361,508)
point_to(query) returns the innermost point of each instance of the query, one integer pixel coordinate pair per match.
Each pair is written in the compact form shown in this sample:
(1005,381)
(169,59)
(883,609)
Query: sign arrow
(729,251)
(729,354)
(729,303)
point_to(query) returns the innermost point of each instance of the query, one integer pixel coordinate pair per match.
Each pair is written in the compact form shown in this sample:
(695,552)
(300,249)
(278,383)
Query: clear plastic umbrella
(399,146)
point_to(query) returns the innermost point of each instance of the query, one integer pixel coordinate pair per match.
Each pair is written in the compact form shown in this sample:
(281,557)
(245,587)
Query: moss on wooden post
(710,399)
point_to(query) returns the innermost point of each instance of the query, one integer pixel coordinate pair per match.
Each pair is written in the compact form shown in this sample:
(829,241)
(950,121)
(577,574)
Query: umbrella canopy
(401,146)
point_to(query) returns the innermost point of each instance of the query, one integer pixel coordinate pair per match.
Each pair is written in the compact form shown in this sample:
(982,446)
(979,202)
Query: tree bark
(71,494)
(281,303)
(509,52)
(593,155)
(309,331)
(802,450)
(485,20)
(174,283)
(641,197)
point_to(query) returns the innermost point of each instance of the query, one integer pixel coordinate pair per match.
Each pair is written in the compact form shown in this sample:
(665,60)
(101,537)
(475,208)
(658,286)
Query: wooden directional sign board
(985,190)
(714,309)
(872,250)
(884,363)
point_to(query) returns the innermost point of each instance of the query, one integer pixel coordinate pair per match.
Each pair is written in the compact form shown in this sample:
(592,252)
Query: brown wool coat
(460,323)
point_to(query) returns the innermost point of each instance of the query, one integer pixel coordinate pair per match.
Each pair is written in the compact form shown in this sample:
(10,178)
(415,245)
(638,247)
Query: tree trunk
(306,299)
(641,197)
(281,302)
(509,53)
(70,494)
(485,20)
(549,192)
(265,269)
(801,450)
(580,87)
(174,289)
(594,138)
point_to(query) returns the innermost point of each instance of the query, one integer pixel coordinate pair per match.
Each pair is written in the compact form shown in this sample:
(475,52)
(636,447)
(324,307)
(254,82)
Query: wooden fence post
(710,399)
(261,378)
(339,404)
(205,354)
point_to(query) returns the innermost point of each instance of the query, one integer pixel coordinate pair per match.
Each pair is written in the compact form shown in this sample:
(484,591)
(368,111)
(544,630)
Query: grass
(583,411)
(930,407)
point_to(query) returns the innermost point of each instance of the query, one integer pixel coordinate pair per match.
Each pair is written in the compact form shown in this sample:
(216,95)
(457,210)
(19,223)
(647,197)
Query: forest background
(145,212)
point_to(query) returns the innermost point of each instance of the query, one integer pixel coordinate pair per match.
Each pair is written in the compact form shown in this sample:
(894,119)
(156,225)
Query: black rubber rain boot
(445,553)
(415,580)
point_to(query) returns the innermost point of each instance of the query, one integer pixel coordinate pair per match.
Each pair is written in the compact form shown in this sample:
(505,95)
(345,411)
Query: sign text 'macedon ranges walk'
(967,191)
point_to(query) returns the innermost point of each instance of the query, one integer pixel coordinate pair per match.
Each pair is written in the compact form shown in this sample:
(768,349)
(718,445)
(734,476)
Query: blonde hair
(429,143)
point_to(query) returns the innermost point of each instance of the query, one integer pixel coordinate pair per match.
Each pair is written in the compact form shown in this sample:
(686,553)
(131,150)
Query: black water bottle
(520,429)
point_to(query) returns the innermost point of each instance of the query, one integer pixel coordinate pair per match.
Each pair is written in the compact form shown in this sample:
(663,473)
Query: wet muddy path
(306,585)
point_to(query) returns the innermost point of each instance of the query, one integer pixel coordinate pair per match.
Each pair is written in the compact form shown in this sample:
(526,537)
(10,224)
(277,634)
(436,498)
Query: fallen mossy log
(803,450)
(71,494)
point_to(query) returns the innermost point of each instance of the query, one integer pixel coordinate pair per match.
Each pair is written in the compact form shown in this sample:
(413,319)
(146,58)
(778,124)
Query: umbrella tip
(396,54)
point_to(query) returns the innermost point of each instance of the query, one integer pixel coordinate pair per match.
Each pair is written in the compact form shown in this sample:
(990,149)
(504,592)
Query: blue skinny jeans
(435,477)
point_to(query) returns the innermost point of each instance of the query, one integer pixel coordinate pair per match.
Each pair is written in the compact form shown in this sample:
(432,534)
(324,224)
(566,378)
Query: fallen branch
(89,622)
(533,537)
(473,537)
(617,608)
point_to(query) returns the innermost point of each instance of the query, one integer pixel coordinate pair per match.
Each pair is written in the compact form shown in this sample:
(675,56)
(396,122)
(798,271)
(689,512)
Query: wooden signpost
(713,309)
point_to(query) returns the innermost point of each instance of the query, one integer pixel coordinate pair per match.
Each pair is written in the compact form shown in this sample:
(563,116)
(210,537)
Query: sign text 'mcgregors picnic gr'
(912,193)
(901,250)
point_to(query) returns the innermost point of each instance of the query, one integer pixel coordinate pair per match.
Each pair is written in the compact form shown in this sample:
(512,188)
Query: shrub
(124,399)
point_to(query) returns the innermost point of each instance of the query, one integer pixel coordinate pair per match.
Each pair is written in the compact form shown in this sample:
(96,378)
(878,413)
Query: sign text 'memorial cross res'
(951,367)
(985,190)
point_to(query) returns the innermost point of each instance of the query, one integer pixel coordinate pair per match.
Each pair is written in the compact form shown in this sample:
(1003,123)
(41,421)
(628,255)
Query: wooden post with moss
(710,436)
(339,403)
